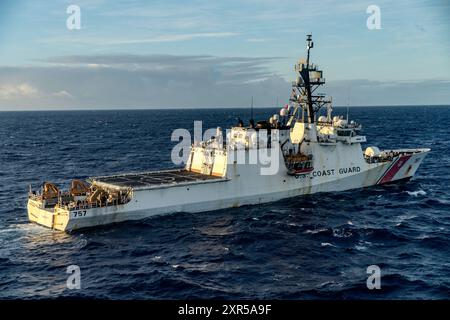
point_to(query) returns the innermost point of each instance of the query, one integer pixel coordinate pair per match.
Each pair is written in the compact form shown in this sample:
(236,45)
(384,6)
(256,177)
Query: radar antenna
(310,78)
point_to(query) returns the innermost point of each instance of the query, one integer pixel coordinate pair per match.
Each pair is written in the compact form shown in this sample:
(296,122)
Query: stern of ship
(52,217)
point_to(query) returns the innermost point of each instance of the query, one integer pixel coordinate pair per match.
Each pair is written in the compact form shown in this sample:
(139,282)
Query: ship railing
(387,156)
(34,196)
(86,205)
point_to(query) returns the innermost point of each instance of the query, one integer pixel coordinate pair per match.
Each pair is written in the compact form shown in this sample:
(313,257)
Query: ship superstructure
(293,153)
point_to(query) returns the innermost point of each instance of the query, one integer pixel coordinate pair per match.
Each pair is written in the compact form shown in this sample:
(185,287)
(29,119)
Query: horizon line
(206,108)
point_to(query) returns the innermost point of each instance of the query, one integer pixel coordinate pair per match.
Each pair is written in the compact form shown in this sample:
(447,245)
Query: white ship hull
(243,185)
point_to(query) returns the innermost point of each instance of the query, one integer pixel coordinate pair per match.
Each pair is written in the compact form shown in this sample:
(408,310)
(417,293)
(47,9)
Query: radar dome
(372,151)
(341,122)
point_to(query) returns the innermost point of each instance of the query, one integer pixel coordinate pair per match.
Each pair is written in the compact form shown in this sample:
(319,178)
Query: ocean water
(312,247)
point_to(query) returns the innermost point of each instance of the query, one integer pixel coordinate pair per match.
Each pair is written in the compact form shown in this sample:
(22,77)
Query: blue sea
(311,247)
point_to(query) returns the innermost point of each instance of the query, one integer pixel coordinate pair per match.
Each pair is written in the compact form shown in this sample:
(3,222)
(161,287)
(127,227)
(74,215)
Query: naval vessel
(294,153)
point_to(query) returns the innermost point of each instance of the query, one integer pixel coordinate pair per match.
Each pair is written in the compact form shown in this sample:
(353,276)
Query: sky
(196,54)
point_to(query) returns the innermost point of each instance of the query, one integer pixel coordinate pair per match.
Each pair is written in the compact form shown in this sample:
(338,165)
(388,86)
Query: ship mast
(309,80)
(305,75)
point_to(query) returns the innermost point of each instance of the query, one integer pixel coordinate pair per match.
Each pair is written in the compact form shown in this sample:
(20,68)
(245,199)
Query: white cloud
(176,37)
(132,81)
(62,94)
(258,40)
(16,91)
(150,39)
(146,80)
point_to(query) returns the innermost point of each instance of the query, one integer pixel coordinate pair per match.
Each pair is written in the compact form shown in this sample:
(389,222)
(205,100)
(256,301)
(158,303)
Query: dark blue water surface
(310,247)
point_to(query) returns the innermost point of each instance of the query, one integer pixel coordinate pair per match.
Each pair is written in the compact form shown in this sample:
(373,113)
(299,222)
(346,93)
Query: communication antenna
(329,109)
(251,110)
(348,101)
(309,45)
